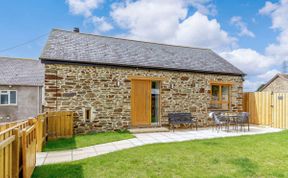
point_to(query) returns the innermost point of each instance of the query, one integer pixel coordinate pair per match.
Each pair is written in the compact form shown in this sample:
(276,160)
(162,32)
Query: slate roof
(68,46)
(285,76)
(16,71)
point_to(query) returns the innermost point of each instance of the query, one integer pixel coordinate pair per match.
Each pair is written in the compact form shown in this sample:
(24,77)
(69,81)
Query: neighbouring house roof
(73,47)
(17,71)
(283,76)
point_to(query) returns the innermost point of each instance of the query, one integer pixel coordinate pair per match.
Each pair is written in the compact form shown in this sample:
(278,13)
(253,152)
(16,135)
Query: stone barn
(113,83)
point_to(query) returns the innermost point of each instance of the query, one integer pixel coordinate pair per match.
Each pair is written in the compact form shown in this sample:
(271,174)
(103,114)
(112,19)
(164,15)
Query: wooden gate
(266,108)
(280,110)
(60,124)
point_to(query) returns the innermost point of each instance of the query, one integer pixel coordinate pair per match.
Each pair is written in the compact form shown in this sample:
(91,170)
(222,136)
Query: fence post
(15,154)
(38,134)
(46,127)
(24,152)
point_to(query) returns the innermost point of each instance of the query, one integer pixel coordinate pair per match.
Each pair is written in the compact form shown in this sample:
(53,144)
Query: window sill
(8,105)
(211,109)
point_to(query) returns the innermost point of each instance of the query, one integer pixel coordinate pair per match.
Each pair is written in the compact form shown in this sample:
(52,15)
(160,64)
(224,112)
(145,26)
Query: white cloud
(198,30)
(203,6)
(149,19)
(167,21)
(258,67)
(252,86)
(268,8)
(100,24)
(83,7)
(249,61)
(278,13)
(238,22)
(269,74)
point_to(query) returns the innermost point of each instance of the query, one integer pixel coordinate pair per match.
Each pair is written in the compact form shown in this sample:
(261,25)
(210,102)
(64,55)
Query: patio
(143,139)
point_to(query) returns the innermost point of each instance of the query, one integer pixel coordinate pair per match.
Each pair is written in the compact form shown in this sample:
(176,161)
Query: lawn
(246,156)
(86,140)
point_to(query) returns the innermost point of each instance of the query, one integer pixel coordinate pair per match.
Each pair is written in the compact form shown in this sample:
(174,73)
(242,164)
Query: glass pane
(215,106)
(155,101)
(225,93)
(3,99)
(225,106)
(12,97)
(215,93)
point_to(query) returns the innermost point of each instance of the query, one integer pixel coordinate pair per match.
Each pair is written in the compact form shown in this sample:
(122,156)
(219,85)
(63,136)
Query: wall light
(117,83)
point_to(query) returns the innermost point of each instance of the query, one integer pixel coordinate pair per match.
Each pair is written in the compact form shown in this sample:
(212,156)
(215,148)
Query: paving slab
(59,159)
(142,139)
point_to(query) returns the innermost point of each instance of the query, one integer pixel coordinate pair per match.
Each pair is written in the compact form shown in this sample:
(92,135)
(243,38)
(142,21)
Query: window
(220,96)
(87,114)
(8,97)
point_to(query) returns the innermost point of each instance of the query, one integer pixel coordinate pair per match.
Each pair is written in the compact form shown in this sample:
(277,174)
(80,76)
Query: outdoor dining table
(230,118)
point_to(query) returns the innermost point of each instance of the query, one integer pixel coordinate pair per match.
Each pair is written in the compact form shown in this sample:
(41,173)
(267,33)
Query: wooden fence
(19,142)
(267,108)
(10,149)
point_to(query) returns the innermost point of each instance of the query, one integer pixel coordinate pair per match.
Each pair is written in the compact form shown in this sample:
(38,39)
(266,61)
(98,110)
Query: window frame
(9,95)
(220,101)
(87,112)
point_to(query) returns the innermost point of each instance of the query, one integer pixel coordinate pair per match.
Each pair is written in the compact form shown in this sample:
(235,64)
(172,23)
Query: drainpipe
(38,99)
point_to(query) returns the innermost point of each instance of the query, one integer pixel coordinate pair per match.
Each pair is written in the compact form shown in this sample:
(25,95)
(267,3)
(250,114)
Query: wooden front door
(141,102)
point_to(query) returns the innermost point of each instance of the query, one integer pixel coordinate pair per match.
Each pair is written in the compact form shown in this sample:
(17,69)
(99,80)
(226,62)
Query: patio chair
(218,121)
(244,119)
(232,121)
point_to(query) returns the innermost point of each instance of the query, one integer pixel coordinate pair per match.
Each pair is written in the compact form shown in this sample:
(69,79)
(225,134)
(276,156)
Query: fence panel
(60,124)
(258,105)
(6,140)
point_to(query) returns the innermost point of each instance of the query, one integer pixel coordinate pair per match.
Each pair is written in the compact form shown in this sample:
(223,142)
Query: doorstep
(148,130)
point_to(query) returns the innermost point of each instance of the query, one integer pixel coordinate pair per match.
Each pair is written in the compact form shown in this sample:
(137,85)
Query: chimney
(76,30)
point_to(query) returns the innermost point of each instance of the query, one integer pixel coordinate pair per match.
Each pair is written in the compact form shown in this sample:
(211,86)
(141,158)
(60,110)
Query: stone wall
(279,85)
(106,91)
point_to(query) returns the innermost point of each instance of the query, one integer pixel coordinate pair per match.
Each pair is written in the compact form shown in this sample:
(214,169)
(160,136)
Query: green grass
(246,156)
(86,140)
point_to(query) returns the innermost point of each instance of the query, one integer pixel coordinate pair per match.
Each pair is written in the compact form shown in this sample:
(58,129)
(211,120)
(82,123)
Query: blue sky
(251,34)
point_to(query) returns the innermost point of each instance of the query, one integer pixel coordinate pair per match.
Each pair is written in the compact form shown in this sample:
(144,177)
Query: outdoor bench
(181,118)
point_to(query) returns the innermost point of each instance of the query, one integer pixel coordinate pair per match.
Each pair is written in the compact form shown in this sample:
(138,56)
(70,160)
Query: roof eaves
(61,61)
(28,85)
